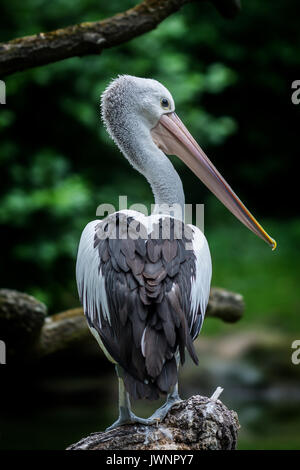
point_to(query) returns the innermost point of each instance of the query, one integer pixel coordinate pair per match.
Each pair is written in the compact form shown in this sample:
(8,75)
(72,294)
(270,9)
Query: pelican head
(144,110)
(144,98)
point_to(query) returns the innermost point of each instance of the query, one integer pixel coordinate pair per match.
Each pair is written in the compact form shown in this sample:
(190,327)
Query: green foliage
(268,280)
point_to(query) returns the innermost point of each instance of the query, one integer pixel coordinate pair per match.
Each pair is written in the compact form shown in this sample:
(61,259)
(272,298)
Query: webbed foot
(131,418)
(162,412)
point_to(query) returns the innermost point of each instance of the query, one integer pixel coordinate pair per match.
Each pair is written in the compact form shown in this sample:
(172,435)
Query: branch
(30,335)
(226,305)
(199,423)
(66,329)
(92,37)
(21,320)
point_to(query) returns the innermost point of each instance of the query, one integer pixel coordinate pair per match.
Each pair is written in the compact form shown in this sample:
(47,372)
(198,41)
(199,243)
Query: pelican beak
(173,138)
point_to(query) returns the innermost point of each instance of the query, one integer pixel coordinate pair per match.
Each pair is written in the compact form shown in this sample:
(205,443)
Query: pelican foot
(161,413)
(131,418)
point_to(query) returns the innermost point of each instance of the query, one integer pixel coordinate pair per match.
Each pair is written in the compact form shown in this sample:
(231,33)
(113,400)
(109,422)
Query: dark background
(231,81)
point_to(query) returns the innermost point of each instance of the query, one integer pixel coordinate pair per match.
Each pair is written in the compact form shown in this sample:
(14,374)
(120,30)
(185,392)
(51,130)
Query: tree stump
(199,423)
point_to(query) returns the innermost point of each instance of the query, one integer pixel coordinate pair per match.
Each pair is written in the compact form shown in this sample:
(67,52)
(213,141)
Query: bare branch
(29,336)
(66,329)
(226,305)
(92,37)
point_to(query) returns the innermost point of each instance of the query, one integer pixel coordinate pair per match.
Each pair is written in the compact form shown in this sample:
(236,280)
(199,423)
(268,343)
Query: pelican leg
(172,398)
(126,416)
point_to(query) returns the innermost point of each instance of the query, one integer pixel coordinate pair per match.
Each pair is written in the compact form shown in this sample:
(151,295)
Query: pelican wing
(142,295)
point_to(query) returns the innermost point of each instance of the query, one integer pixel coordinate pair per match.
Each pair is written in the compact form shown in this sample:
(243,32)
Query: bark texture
(199,423)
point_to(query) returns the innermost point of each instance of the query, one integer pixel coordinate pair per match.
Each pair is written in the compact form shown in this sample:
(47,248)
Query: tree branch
(92,37)
(199,423)
(68,328)
(28,335)
(226,305)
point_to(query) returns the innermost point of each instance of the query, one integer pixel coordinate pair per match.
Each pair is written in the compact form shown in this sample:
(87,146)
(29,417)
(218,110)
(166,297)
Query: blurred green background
(231,81)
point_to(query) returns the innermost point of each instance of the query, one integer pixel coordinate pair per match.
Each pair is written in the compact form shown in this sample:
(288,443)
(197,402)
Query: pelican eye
(165,103)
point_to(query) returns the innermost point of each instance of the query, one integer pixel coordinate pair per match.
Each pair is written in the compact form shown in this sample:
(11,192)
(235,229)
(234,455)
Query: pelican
(144,290)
